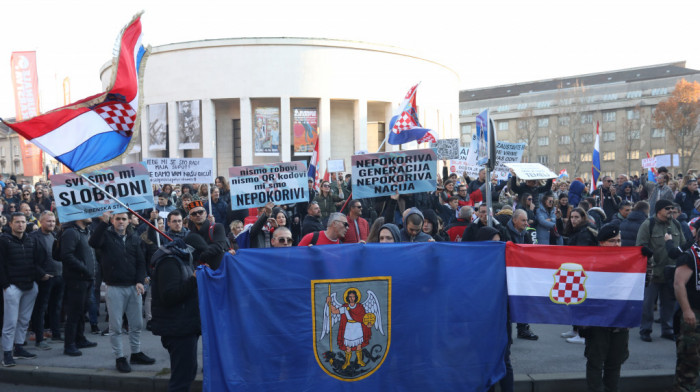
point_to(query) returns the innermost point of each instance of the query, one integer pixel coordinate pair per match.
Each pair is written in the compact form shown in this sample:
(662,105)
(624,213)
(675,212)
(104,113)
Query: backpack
(314,238)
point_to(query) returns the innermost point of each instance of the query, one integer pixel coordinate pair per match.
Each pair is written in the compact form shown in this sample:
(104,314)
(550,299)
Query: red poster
(26,85)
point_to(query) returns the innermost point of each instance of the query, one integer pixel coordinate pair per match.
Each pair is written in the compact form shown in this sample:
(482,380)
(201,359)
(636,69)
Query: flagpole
(330,324)
(157,236)
(142,219)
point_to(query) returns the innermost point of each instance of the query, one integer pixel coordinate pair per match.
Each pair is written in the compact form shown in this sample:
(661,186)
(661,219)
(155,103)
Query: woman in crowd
(326,200)
(224,190)
(41,201)
(563,212)
(203,192)
(627,192)
(389,233)
(528,206)
(546,217)
(431,226)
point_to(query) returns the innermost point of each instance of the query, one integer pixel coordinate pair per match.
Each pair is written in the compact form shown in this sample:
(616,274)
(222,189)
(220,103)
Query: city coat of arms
(352,325)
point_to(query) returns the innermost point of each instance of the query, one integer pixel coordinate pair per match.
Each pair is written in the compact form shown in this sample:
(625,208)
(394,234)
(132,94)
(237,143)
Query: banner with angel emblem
(372,317)
(352,323)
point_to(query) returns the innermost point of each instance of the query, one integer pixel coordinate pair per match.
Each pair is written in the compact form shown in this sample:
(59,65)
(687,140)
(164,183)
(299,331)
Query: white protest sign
(531,171)
(662,160)
(460,165)
(505,153)
(180,170)
(280,183)
(648,163)
(336,165)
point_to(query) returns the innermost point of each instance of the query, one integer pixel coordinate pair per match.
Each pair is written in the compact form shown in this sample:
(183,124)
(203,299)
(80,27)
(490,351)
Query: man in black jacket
(79,267)
(19,271)
(50,295)
(176,308)
(312,221)
(124,272)
(212,233)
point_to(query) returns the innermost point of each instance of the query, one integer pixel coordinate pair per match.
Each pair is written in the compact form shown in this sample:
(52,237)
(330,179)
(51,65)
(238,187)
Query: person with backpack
(175,307)
(337,228)
(651,234)
(214,234)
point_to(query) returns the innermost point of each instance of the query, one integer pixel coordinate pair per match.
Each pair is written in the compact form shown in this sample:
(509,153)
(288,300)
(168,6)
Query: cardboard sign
(386,173)
(280,183)
(446,148)
(77,199)
(505,153)
(180,170)
(531,171)
(460,165)
(336,165)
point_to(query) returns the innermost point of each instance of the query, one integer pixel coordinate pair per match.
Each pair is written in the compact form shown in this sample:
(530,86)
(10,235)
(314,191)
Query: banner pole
(209,192)
(330,324)
(142,219)
(155,202)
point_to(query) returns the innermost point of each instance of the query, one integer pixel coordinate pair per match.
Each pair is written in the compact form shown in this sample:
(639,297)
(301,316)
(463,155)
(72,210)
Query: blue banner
(409,317)
(384,174)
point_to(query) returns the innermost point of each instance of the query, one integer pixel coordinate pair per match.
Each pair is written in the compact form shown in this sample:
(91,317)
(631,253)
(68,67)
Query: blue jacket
(630,227)
(219,210)
(544,226)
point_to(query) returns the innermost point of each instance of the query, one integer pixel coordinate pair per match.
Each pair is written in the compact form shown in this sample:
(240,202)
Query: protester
(80,268)
(687,197)
(358,227)
(659,190)
(412,230)
(629,227)
(373,236)
(607,199)
(432,226)
(327,200)
(389,233)
(651,234)
(455,230)
(529,186)
(282,237)
(213,234)
(312,220)
(263,227)
(470,232)
(21,261)
(606,347)
(337,227)
(124,272)
(50,295)
(546,216)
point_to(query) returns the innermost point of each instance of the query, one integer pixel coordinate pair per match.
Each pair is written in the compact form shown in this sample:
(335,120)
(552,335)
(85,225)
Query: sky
(487,43)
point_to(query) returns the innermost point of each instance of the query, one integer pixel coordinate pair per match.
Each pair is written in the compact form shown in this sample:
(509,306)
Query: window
(503,126)
(543,141)
(2,151)
(564,139)
(587,157)
(543,122)
(522,125)
(587,118)
(633,114)
(465,112)
(564,121)
(522,106)
(634,94)
(564,158)
(15,150)
(658,132)
(633,134)
(609,97)
(502,108)
(609,156)
(566,101)
(591,98)
(587,138)
(659,91)
(609,116)
(544,104)
(633,154)
(543,159)
(608,136)
(466,129)
(658,151)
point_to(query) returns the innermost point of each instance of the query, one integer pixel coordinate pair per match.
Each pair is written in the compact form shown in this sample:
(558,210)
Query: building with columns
(239,100)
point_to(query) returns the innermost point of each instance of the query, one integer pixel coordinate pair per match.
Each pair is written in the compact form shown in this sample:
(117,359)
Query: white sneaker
(569,334)
(576,339)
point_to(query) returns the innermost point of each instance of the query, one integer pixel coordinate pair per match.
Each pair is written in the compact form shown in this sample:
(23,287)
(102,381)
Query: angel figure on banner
(356,322)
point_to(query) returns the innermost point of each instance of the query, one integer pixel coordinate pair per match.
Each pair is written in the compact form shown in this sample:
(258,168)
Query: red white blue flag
(313,165)
(405,126)
(90,133)
(595,169)
(575,285)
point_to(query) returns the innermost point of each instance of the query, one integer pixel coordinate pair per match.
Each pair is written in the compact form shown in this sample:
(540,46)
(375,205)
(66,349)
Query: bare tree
(631,135)
(574,107)
(527,131)
(679,114)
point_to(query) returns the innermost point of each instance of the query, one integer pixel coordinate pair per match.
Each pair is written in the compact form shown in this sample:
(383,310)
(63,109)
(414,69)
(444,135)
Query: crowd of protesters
(54,293)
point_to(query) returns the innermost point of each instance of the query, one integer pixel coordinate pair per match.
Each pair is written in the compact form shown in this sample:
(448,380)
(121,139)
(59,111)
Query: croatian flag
(595,170)
(563,173)
(313,165)
(575,285)
(405,126)
(99,128)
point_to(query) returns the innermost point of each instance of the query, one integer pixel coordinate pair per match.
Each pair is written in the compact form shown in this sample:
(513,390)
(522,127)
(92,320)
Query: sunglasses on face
(668,208)
(196,213)
(344,224)
(284,240)
(120,219)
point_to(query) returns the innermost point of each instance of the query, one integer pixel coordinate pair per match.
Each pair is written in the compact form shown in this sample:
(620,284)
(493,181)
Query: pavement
(548,364)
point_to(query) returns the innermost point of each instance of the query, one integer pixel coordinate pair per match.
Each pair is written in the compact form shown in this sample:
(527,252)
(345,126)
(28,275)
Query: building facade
(259,100)
(557,118)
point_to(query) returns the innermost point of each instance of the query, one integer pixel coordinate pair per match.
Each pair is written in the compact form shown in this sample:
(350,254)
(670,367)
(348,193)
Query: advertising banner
(77,199)
(255,186)
(384,174)
(189,125)
(305,130)
(157,127)
(26,86)
(266,132)
(180,170)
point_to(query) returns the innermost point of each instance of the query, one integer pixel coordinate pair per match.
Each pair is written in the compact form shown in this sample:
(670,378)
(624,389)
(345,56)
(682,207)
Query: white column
(173,135)
(285,128)
(360,131)
(246,132)
(209,132)
(324,131)
(144,135)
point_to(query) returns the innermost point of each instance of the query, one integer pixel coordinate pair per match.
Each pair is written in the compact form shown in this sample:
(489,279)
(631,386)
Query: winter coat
(584,235)
(123,261)
(77,256)
(20,261)
(630,227)
(686,199)
(543,225)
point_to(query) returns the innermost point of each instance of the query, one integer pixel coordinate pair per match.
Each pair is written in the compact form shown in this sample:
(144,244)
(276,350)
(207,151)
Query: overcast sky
(487,42)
